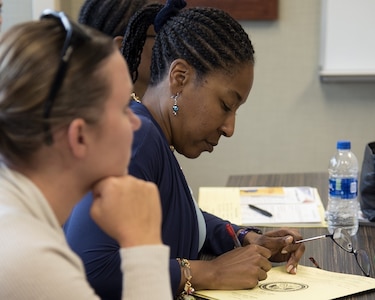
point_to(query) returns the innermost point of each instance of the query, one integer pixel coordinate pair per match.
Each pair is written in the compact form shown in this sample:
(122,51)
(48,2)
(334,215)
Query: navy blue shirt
(151,160)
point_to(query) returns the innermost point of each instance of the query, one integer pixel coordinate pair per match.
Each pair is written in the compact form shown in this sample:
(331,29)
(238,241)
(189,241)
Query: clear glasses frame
(342,239)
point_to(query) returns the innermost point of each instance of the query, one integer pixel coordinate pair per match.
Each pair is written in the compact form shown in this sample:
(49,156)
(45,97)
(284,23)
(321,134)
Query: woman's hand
(128,209)
(280,243)
(240,268)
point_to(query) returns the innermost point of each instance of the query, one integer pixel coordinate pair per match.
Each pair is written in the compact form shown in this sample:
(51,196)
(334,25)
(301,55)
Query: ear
(77,138)
(180,73)
(118,41)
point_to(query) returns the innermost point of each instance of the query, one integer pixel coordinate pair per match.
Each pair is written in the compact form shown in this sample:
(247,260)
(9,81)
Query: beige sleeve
(38,264)
(146,273)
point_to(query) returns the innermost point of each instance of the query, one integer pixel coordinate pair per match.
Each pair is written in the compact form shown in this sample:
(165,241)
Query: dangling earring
(175,107)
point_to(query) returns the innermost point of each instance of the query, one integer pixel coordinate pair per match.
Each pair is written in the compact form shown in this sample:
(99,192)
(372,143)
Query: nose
(227,129)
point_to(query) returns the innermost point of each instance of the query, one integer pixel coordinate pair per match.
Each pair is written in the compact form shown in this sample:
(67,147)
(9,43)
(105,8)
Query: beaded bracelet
(243,232)
(188,289)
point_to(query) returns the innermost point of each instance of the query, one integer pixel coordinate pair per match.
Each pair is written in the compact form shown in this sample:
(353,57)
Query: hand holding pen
(233,235)
(279,242)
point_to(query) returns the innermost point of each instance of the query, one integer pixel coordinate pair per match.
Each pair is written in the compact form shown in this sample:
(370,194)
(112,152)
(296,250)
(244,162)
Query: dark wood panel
(243,9)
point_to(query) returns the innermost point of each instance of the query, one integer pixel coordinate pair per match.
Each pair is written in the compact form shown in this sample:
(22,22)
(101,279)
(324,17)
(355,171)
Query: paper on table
(308,283)
(287,205)
(222,202)
(292,206)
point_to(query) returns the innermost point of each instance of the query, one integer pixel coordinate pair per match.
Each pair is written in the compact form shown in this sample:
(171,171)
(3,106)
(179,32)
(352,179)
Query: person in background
(201,73)
(111,17)
(64,105)
(1,13)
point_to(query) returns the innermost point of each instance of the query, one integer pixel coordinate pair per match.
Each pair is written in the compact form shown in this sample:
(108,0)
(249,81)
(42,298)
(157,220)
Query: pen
(249,190)
(314,262)
(233,235)
(261,211)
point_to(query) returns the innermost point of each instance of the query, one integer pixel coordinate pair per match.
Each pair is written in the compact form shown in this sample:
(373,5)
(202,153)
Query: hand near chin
(128,209)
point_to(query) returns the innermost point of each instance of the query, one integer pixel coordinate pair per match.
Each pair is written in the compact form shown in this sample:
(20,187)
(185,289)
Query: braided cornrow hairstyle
(109,16)
(207,38)
(135,37)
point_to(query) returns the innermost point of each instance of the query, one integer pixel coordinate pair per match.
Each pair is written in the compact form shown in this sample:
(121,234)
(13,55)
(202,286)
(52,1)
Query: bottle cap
(343,145)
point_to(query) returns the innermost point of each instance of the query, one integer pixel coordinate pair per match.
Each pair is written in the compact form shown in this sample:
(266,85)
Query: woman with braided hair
(112,17)
(1,11)
(201,73)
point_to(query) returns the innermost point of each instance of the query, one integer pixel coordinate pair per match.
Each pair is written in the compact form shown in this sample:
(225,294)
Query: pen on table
(233,235)
(314,262)
(261,211)
(249,190)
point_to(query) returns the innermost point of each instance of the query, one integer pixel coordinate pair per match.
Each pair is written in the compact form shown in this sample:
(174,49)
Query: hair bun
(170,9)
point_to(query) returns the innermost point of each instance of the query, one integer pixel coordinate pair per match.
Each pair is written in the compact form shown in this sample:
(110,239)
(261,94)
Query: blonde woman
(66,128)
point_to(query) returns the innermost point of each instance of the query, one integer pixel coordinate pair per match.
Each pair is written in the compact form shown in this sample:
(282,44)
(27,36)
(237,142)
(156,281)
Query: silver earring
(175,107)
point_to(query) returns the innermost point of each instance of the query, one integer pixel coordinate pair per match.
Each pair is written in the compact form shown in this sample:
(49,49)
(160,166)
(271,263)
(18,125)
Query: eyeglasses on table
(342,239)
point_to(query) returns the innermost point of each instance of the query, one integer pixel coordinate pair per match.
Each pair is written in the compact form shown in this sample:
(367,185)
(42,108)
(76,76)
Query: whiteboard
(348,40)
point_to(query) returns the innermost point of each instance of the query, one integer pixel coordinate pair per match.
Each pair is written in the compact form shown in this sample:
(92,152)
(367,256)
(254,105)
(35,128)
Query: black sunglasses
(74,37)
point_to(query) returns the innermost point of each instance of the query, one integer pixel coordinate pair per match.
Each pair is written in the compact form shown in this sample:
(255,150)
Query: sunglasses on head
(74,36)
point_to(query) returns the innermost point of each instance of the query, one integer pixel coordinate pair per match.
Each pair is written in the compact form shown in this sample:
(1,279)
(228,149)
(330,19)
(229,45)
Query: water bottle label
(345,188)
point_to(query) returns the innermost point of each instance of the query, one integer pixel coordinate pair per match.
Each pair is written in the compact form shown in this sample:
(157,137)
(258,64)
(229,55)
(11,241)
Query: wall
(291,120)
(72,7)
(15,11)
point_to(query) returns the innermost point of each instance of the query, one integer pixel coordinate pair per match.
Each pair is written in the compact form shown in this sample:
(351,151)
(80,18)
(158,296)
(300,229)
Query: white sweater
(37,263)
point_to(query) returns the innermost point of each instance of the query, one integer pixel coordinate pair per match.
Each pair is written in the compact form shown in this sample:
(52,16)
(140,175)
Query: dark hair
(207,38)
(109,16)
(29,59)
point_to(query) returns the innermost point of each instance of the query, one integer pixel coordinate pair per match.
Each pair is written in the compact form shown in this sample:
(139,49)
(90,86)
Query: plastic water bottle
(342,208)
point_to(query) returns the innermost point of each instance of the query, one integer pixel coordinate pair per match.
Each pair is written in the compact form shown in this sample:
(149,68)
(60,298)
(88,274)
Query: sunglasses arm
(312,238)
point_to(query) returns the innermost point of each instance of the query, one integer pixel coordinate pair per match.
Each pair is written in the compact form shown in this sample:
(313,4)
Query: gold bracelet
(188,289)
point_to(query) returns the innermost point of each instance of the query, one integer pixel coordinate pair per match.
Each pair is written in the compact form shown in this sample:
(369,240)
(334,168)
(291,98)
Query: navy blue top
(152,160)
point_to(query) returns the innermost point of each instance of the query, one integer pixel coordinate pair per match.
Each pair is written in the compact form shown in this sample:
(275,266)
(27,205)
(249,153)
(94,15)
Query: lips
(211,146)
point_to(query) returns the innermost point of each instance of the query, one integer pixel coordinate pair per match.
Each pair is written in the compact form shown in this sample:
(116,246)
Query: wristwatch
(244,231)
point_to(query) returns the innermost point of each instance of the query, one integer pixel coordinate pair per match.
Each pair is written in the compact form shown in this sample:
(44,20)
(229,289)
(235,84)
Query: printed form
(292,206)
(308,283)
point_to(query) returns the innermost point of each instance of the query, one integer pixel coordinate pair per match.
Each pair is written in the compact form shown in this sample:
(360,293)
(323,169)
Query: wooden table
(328,255)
